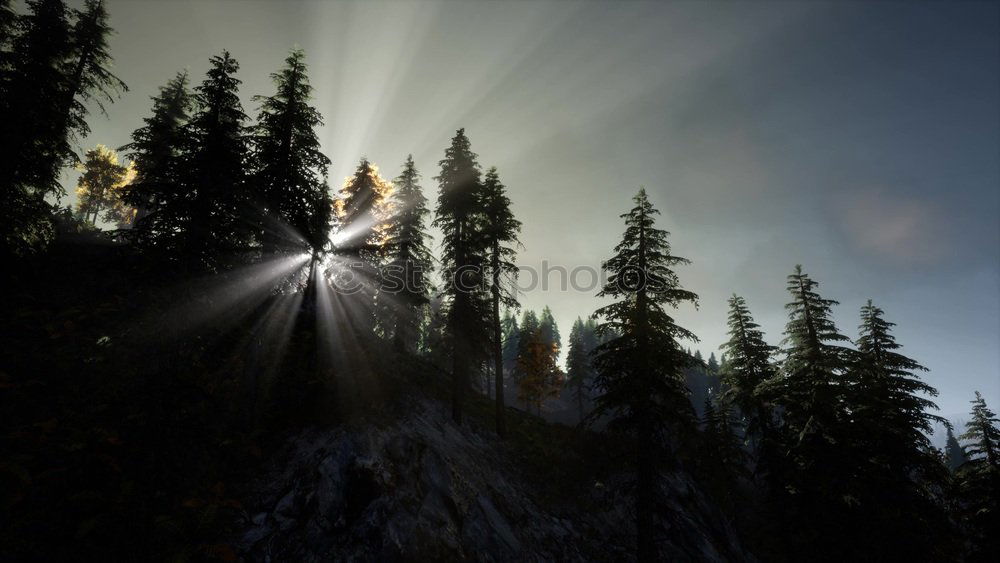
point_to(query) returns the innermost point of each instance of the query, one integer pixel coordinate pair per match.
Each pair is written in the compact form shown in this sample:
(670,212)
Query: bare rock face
(423,489)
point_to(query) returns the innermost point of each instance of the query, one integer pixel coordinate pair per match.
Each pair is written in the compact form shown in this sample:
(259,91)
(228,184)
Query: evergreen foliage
(459,216)
(157,192)
(218,231)
(500,232)
(639,371)
(408,260)
(289,169)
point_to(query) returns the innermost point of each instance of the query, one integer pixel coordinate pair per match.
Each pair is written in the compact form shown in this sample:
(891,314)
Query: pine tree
(748,365)
(983,435)
(639,372)
(979,482)
(500,230)
(550,330)
(578,369)
(363,212)
(89,78)
(529,326)
(459,216)
(897,469)
(511,337)
(810,386)
(409,261)
(886,397)
(163,212)
(290,171)
(32,101)
(955,454)
(214,170)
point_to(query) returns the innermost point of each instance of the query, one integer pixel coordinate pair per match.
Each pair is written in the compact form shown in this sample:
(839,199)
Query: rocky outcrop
(423,489)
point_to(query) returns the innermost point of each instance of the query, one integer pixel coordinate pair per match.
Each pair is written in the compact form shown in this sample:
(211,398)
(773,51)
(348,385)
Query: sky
(861,140)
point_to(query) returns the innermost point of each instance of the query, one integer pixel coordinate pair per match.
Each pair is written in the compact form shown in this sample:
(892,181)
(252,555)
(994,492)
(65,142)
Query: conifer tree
(409,261)
(529,326)
(954,453)
(32,100)
(748,365)
(897,468)
(500,230)
(982,435)
(639,372)
(810,387)
(511,336)
(550,330)
(163,210)
(89,79)
(214,169)
(459,216)
(979,482)
(290,171)
(578,370)
(887,398)
(363,212)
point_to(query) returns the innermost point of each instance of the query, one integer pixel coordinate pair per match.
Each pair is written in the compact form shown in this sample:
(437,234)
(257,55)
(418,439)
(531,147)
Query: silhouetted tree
(550,330)
(748,365)
(500,231)
(511,337)
(979,482)
(157,193)
(363,212)
(408,260)
(954,453)
(639,372)
(899,472)
(214,170)
(289,169)
(459,216)
(33,138)
(578,368)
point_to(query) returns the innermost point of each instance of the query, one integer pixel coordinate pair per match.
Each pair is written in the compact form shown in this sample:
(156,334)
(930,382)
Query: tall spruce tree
(409,261)
(578,369)
(363,212)
(954,453)
(897,470)
(550,330)
(32,100)
(816,491)
(459,216)
(811,384)
(290,171)
(500,230)
(511,334)
(748,364)
(163,210)
(979,482)
(89,79)
(214,170)
(639,371)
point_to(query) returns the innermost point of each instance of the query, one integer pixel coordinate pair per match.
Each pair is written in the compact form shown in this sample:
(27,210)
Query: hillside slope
(420,488)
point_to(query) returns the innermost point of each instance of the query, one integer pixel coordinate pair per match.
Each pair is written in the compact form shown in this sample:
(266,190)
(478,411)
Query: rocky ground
(418,487)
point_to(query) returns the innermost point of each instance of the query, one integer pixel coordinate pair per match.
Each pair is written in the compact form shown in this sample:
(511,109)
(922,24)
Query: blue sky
(861,140)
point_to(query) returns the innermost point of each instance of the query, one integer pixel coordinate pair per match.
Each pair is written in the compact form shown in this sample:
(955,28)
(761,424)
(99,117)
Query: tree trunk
(498,346)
